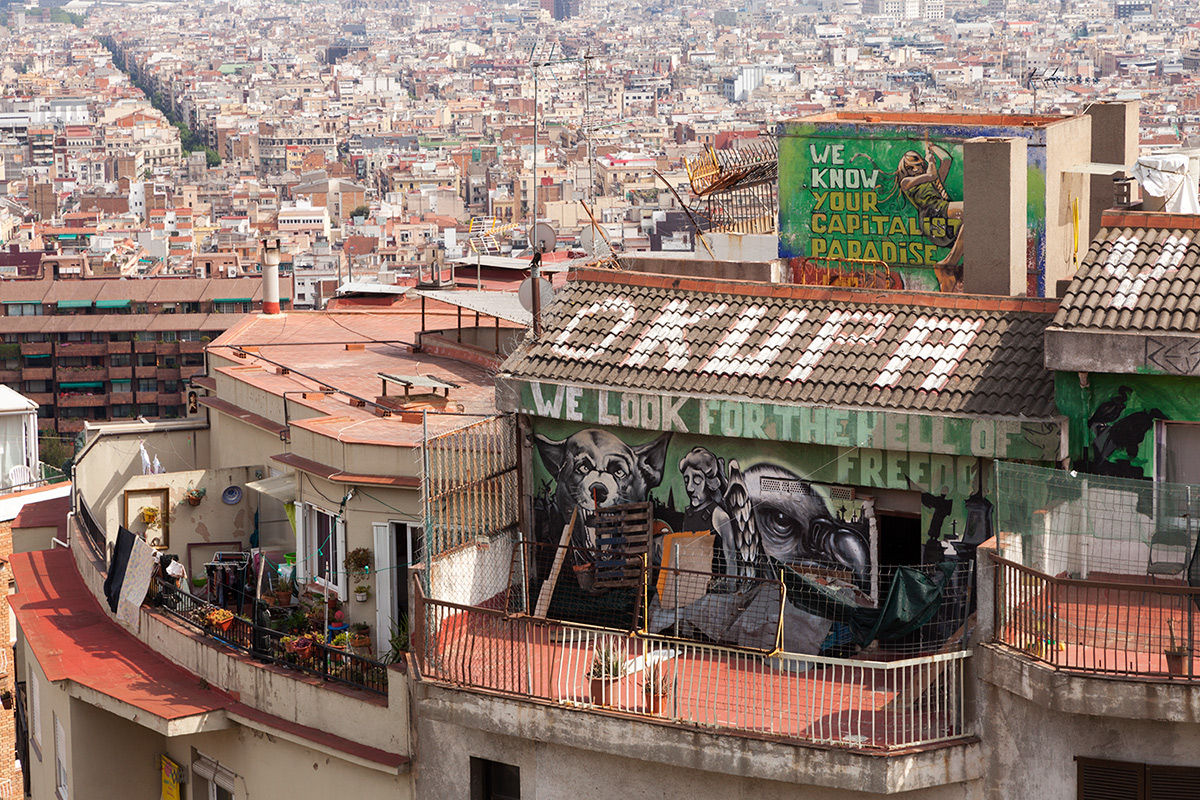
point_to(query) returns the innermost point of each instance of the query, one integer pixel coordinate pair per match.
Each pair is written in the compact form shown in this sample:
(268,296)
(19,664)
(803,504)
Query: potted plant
(6,698)
(655,685)
(283,592)
(360,635)
(1175,654)
(194,496)
(340,641)
(607,668)
(150,516)
(302,645)
(220,618)
(358,561)
(362,592)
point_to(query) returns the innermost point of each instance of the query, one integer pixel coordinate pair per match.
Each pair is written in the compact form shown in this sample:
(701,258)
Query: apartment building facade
(99,349)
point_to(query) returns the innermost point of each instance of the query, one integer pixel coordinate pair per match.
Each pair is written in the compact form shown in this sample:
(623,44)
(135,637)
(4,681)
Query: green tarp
(74,303)
(912,600)
(113,303)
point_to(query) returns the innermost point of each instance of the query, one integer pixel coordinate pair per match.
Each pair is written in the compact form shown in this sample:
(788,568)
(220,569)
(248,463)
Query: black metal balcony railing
(272,646)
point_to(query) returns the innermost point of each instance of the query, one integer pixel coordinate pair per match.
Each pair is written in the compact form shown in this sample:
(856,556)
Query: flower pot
(360,597)
(283,598)
(192,500)
(7,701)
(223,625)
(1175,662)
(602,690)
(585,575)
(654,703)
(360,640)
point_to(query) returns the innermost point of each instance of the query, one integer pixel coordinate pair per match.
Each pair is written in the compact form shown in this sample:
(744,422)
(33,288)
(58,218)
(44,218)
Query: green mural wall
(852,191)
(784,478)
(1112,418)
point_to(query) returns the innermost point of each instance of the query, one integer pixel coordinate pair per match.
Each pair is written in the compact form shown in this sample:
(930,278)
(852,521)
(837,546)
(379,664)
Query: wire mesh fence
(470,499)
(781,608)
(869,705)
(1072,524)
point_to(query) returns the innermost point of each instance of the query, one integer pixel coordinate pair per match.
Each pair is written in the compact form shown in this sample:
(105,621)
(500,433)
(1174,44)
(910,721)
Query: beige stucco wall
(211,521)
(1068,143)
(26,540)
(112,459)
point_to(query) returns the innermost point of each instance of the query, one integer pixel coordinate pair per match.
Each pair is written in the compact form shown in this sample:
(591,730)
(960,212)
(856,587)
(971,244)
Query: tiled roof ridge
(793,291)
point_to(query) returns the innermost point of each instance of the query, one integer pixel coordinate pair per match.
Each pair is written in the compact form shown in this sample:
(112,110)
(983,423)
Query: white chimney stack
(270,276)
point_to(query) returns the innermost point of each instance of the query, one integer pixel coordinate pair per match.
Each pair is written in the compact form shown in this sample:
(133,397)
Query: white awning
(281,487)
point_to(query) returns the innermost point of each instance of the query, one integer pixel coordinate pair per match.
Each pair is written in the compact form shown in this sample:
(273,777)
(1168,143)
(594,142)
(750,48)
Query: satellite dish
(587,239)
(525,293)
(543,237)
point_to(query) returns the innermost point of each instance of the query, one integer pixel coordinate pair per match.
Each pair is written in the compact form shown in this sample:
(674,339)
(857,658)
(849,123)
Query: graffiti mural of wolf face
(594,468)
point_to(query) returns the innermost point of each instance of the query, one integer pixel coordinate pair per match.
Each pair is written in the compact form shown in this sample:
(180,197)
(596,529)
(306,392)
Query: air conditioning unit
(231,271)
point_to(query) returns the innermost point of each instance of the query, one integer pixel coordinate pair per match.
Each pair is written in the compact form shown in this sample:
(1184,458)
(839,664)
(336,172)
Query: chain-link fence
(470,495)
(1086,526)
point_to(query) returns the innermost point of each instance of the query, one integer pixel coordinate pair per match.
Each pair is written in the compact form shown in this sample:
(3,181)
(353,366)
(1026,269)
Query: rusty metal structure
(736,190)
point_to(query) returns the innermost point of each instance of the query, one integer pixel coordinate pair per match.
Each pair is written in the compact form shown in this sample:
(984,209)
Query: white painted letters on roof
(727,358)
(945,354)
(611,306)
(832,331)
(668,331)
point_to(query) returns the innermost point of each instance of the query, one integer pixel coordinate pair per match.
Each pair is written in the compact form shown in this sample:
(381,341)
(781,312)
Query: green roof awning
(113,303)
(232,300)
(74,303)
(82,385)
(67,236)
(27,302)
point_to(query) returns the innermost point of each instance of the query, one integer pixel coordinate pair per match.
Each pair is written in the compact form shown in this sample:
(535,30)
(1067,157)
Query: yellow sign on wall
(172,777)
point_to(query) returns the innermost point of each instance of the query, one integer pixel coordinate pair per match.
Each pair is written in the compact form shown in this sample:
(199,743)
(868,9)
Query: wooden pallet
(623,540)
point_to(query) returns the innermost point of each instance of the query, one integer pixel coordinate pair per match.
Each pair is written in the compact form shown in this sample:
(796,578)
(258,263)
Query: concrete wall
(269,767)
(52,701)
(283,693)
(1114,141)
(700,265)
(995,188)
(585,756)
(1045,741)
(112,757)
(211,521)
(1068,143)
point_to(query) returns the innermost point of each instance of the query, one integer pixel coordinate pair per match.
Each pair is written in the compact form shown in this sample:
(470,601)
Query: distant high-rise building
(561,9)
(1133,9)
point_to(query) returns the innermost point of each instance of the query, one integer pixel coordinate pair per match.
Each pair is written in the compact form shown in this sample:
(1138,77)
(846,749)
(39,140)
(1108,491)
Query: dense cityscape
(554,399)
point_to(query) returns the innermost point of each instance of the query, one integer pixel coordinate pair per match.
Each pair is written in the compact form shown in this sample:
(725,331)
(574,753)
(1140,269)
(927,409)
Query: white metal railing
(870,705)
(6,789)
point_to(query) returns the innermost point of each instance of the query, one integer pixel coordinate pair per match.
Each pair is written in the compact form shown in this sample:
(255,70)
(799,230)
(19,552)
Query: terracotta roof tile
(1135,279)
(806,345)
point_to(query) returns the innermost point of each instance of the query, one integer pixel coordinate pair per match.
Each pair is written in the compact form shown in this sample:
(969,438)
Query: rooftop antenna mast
(542,54)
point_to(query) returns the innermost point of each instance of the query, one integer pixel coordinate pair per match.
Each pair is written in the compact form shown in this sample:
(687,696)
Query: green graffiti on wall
(1112,419)
(889,198)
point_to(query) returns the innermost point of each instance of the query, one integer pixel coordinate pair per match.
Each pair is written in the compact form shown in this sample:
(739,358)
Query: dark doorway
(899,540)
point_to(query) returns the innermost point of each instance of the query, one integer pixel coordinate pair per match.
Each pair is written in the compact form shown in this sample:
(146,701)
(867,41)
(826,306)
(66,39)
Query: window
(60,760)
(492,780)
(147,360)
(324,541)
(24,309)
(1099,779)
(211,781)
(147,385)
(119,360)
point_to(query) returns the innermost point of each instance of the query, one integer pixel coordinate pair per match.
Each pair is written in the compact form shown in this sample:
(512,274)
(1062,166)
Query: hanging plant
(358,560)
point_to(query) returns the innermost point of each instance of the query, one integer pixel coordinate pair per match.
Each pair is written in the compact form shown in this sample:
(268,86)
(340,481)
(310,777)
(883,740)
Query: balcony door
(394,547)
